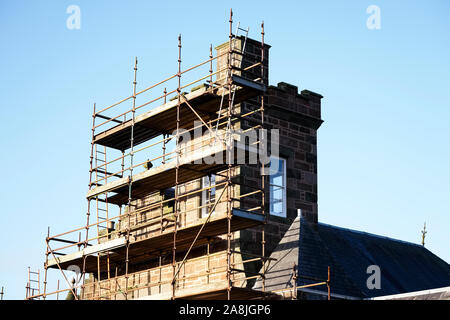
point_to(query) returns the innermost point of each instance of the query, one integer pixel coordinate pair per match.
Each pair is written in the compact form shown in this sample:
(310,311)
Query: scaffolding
(33,287)
(292,292)
(141,205)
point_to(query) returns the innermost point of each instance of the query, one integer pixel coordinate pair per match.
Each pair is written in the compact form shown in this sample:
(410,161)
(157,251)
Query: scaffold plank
(162,119)
(140,250)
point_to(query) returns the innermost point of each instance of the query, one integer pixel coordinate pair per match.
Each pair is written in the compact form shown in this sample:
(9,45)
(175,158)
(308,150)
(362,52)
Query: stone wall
(203,270)
(297,116)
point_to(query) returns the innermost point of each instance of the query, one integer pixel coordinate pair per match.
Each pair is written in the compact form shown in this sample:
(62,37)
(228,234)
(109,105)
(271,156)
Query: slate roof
(279,272)
(404,266)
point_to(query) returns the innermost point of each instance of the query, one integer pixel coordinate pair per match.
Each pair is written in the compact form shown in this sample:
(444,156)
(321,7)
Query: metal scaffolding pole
(263,177)
(130,181)
(177,172)
(228,155)
(45,266)
(328,284)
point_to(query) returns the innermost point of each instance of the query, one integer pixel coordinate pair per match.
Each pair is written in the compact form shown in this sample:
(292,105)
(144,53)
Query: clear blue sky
(383,150)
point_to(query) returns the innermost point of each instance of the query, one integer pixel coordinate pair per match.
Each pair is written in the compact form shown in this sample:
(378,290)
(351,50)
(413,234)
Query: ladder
(33,285)
(233,58)
(239,66)
(101,205)
(101,201)
(99,176)
(241,56)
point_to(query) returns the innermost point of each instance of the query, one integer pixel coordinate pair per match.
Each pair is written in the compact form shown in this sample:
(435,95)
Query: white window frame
(204,197)
(284,188)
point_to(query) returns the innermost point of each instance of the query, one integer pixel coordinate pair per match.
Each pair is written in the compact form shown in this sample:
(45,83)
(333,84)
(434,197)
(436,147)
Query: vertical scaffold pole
(263,177)
(46,263)
(98,220)
(229,160)
(294,280)
(165,136)
(210,65)
(328,284)
(174,248)
(29,291)
(106,218)
(130,180)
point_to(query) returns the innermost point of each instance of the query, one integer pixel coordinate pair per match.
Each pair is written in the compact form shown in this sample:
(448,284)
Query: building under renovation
(194,195)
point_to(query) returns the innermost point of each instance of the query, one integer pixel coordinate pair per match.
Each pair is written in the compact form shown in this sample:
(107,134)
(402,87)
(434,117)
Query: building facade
(191,223)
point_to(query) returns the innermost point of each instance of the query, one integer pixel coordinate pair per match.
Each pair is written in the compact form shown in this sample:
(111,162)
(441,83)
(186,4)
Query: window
(208,195)
(278,187)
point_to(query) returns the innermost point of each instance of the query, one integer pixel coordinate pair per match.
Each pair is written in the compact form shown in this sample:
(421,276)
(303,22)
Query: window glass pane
(276,200)
(278,187)
(277,177)
(209,195)
(213,183)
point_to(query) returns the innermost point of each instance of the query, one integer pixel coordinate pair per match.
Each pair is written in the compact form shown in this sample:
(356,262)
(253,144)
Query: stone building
(208,236)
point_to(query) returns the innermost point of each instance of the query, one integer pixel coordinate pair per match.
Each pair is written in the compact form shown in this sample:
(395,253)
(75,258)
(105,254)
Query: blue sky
(383,150)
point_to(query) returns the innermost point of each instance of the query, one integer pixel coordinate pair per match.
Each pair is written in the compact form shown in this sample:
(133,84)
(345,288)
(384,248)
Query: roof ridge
(371,234)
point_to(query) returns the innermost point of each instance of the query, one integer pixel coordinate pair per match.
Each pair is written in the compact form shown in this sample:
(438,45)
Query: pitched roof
(285,256)
(404,266)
